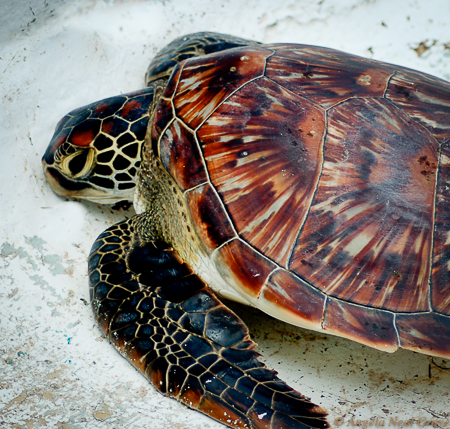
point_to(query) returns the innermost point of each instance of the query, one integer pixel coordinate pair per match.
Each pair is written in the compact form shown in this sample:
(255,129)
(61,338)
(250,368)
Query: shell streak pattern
(329,175)
(163,318)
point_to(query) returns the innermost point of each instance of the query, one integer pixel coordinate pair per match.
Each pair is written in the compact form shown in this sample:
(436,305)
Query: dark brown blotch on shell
(210,220)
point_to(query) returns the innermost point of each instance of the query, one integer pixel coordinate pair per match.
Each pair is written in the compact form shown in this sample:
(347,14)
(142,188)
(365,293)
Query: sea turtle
(304,181)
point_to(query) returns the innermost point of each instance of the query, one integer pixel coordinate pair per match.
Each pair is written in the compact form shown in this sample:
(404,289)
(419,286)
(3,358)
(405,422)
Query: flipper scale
(163,318)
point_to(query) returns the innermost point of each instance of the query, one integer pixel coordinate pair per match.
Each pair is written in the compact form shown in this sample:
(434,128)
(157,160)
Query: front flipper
(163,318)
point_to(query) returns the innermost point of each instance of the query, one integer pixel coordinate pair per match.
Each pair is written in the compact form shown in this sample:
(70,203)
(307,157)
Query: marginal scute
(181,157)
(326,76)
(440,289)
(210,220)
(368,235)
(294,299)
(246,267)
(425,333)
(369,326)
(263,149)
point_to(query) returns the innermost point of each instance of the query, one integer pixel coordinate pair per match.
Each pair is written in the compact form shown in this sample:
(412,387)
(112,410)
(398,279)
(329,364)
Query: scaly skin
(170,326)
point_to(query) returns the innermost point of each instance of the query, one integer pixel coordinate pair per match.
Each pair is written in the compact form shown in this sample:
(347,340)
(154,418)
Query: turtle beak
(51,180)
(65,187)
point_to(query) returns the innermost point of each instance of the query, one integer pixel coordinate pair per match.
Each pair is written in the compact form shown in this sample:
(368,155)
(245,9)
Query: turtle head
(95,152)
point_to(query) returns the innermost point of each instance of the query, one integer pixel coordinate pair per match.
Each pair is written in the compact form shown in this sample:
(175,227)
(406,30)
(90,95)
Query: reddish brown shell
(319,183)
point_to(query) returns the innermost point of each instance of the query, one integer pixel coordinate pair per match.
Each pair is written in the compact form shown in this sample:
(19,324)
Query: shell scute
(422,97)
(206,81)
(210,220)
(259,145)
(241,263)
(180,155)
(440,291)
(296,297)
(368,235)
(370,326)
(325,77)
(425,333)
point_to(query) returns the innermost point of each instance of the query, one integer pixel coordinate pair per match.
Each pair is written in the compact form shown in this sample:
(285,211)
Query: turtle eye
(80,164)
